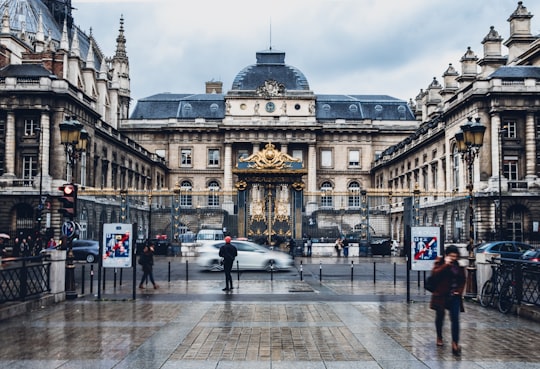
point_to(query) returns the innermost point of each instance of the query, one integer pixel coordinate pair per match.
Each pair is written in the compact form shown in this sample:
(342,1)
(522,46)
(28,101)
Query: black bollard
(352,270)
(238,273)
(301,271)
(82,279)
(394,273)
(169,273)
(91,279)
(114,278)
(374,272)
(320,271)
(271,270)
(121,276)
(104,275)
(186,270)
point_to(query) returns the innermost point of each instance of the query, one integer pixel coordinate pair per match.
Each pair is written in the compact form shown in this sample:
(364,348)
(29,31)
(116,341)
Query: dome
(270,66)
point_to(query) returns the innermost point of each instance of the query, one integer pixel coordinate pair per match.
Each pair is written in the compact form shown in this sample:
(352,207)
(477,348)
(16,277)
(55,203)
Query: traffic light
(68,200)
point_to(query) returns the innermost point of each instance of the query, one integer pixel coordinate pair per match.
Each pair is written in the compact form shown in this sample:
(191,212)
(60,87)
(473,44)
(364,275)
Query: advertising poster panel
(426,245)
(117,245)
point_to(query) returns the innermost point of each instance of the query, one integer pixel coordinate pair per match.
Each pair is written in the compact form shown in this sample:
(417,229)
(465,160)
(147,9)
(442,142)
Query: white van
(206,235)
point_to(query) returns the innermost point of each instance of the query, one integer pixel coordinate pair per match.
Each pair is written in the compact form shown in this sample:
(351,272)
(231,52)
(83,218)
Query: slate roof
(180,106)
(516,72)
(270,66)
(25,70)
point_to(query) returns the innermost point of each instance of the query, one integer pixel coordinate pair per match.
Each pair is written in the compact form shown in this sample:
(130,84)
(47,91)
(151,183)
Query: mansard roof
(376,107)
(516,72)
(180,106)
(328,107)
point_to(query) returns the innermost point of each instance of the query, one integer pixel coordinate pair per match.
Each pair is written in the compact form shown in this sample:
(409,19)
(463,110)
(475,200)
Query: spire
(75,48)
(90,56)
(40,36)
(103,69)
(121,41)
(64,41)
(5,21)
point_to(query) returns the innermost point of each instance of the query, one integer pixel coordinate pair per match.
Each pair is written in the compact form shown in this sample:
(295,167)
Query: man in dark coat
(448,293)
(228,253)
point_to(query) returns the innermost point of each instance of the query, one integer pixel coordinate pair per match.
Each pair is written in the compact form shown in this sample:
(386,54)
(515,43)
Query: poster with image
(117,245)
(426,245)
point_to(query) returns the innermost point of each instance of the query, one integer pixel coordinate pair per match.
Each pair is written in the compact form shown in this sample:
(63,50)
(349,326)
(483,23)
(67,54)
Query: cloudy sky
(342,46)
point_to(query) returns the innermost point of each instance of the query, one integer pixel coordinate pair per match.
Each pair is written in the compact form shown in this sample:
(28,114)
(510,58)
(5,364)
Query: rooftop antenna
(270,33)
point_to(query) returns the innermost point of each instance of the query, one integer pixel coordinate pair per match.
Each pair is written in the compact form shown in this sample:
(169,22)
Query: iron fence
(21,278)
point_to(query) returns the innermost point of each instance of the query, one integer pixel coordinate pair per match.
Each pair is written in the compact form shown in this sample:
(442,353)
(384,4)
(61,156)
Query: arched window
(186,199)
(213,196)
(326,197)
(354,194)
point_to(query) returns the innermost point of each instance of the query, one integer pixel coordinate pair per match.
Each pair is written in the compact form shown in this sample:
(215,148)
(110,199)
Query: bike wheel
(486,296)
(506,298)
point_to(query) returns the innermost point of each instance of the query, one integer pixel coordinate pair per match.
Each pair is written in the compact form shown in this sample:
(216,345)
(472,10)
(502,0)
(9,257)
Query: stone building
(269,147)
(502,92)
(52,73)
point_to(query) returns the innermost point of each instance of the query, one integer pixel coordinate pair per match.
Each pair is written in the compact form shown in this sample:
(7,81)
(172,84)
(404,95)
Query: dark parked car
(507,249)
(161,247)
(532,255)
(85,250)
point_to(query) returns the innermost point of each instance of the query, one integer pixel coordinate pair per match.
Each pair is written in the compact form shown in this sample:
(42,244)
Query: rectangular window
(354,158)
(326,158)
(185,158)
(29,169)
(510,129)
(30,125)
(241,154)
(213,157)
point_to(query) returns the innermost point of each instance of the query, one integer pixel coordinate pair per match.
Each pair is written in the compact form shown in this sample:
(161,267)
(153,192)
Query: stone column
(45,147)
(311,205)
(530,148)
(228,204)
(10,145)
(495,150)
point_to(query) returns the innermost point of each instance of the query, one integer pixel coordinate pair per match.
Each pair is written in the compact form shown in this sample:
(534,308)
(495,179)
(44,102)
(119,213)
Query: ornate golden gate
(270,195)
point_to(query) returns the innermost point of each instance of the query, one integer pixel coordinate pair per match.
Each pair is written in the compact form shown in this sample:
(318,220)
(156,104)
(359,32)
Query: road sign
(68,229)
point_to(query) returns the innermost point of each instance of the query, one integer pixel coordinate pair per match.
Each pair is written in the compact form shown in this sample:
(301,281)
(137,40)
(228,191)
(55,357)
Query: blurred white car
(251,256)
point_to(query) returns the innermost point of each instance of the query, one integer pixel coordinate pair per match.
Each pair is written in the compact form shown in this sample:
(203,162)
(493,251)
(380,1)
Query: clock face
(270,107)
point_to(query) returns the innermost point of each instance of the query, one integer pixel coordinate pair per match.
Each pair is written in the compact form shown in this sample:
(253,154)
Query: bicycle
(507,296)
(492,287)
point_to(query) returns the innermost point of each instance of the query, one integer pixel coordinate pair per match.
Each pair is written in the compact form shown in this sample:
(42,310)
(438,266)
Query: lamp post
(469,140)
(41,200)
(75,139)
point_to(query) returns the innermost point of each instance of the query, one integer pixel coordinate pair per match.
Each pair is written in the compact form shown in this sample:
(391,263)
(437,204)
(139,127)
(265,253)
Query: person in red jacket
(447,295)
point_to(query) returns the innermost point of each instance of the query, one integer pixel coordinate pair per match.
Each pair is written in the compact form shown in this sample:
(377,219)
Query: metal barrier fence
(21,278)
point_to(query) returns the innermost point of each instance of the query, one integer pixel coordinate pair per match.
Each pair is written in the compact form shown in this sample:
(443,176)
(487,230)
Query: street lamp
(469,140)
(75,139)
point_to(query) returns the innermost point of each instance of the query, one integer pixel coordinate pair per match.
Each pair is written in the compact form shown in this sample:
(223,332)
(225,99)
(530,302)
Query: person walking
(450,277)
(345,244)
(228,252)
(309,245)
(146,260)
(338,246)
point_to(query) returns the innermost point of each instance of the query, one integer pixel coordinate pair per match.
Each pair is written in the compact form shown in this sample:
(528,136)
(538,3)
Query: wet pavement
(270,324)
